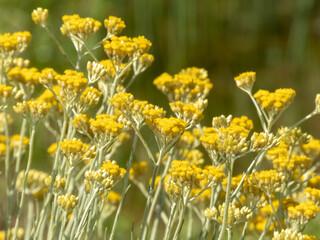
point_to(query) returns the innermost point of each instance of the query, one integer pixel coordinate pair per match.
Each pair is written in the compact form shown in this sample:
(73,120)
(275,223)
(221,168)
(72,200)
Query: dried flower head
(275,102)
(245,80)
(40,16)
(75,151)
(114,25)
(104,178)
(67,202)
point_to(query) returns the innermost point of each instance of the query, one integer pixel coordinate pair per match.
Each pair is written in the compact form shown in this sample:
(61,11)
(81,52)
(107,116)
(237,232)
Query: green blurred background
(280,40)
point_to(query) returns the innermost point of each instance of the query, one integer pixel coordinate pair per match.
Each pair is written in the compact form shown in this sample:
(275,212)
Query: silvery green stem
(229,166)
(24,181)
(125,184)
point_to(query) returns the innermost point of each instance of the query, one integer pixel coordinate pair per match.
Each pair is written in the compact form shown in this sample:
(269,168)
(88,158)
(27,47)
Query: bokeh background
(280,40)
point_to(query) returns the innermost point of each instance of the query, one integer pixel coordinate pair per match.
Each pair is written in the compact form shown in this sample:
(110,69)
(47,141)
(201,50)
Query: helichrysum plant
(188,181)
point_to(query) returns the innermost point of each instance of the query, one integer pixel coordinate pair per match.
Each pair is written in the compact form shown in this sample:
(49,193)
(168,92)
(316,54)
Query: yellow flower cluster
(74,25)
(235,215)
(20,62)
(114,25)
(279,151)
(47,76)
(75,151)
(35,182)
(303,212)
(15,42)
(5,91)
(168,128)
(40,16)
(187,86)
(48,97)
(245,80)
(230,139)
(67,202)
(113,198)
(110,70)
(195,157)
(261,140)
(117,48)
(275,102)
(221,121)
(88,99)
(189,112)
(138,169)
(213,176)
(312,148)
(314,182)
(289,233)
(29,76)
(134,109)
(184,174)
(283,163)
(269,181)
(58,184)
(34,109)
(15,142)
(104,128)
(104,178)
(294,137)
(71,84)
(313,195)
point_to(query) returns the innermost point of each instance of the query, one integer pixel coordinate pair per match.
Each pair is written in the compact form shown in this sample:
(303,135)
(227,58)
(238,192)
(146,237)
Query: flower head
(40,16)
(114,25)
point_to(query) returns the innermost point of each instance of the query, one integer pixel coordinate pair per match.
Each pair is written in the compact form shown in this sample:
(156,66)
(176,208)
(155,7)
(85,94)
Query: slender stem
(243,234)
(125,184)
(59,46)
(229,165)
(190,222)
(6,173)
(180,222)
(262,117)
(84,216)
(63,224)
(170,222)
(229,233)
(207,224)
(24,182)
(142,233)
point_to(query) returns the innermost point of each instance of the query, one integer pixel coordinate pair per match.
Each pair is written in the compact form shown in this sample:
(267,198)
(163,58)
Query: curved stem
(125,184)
(24,182)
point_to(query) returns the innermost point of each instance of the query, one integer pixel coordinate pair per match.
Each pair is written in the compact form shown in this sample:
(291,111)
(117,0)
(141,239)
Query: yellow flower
(75,150)
(33,110)
(168,128)
(40,16)
(137,170)
(74,25)
(67,202)
(13,43)
(104,178)
(113,198)
(105,128)
(187,86)
(88,99)
(275,102)
(28,76)
(313,195)
(245,80)
(269,181)
(114,25)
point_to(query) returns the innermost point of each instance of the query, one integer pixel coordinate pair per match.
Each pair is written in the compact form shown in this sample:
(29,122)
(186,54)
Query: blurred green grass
(280,40)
